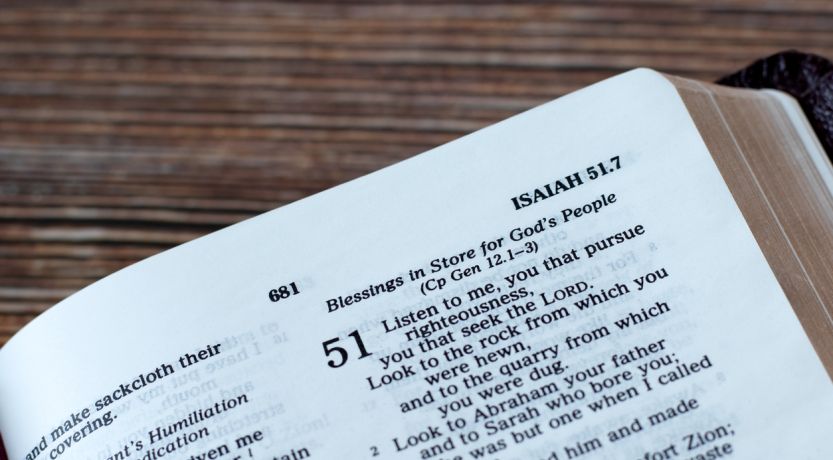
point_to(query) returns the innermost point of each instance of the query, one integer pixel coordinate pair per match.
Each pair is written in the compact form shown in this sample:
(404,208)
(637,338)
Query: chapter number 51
(341,354)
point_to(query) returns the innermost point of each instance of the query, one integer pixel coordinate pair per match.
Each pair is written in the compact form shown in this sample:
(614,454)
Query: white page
(759,390)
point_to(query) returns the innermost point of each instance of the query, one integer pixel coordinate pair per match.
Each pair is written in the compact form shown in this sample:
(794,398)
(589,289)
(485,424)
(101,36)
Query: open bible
(642,269)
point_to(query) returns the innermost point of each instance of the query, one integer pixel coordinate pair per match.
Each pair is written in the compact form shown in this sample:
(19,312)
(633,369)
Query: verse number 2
(330,347)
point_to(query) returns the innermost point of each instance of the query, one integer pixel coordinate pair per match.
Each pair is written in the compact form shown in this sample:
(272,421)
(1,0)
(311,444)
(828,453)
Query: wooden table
(130,127)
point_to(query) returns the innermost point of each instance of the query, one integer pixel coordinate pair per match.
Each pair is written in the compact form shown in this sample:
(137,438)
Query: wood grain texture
(129,127)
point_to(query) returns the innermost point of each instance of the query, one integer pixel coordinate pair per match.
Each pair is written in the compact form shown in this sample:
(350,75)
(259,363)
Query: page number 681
(277,294)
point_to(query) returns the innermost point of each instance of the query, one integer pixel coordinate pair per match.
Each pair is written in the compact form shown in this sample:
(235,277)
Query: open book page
(576,281)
